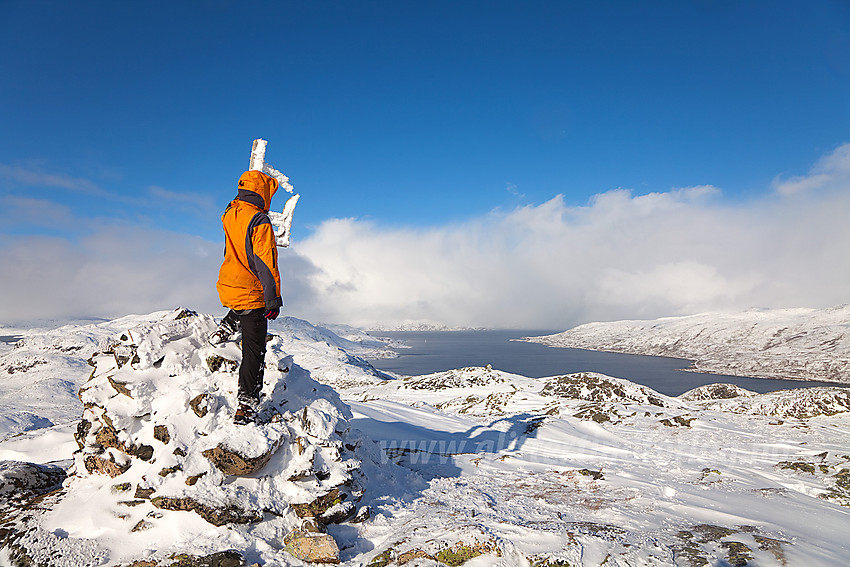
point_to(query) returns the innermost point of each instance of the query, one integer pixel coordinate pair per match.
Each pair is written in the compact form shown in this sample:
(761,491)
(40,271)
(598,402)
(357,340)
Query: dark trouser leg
(254,328)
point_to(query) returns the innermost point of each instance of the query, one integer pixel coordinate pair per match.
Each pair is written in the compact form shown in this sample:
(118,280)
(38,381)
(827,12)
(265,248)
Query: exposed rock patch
(19,479)
(232,463)
(598,388)
(311,547)
(216,515)
(716,392)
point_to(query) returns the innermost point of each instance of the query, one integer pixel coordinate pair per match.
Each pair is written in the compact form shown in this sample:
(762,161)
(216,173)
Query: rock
(718,391)
(143,492)
(193,480)
(595,475)
(141,525)
(215,516)
(460,553)
(124,354)
(200,404)
(337,513)
(312,526)
(311,547)
(143,452)
(232,463)
(107,436)
(26,479)
(97,464)
(160,433)
(231,477)
(599,388)
(216,362)
(362,515)
(183,313)
(318,506)
(220,559)
(170,470)
(410,555)
(119,387)
(82,432)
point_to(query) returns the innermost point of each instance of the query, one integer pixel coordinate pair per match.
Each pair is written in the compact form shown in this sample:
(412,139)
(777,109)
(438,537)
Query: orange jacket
(249,278)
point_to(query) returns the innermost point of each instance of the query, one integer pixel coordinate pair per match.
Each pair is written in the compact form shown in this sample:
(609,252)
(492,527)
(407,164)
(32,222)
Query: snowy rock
(232,463)
(171,431)
(460,378)
(801,403)
(219,559)
(216,363)
(715,392)
(593,387)
(217,515)
(26,479)
(105,465)
(312,547)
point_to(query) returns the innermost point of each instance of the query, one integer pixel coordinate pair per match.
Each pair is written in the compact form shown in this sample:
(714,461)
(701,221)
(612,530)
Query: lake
(436,351)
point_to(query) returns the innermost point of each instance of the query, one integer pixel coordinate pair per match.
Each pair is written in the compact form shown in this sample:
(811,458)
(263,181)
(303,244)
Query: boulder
(320,505)
(215,516)
(216,362)
(160,433)
(311,547)
(232,463)
(109,467)
(338,513)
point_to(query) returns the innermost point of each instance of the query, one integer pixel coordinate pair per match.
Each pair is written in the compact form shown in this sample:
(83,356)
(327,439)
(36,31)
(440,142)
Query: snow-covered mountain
(412,325)
(802,344)
(136,461)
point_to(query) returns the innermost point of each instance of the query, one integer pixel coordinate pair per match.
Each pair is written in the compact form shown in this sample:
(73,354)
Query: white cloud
(118,269)
(38,178)
(546,266)
(830,172)
(28,212)
(197,203)
(621,256)
(110,272)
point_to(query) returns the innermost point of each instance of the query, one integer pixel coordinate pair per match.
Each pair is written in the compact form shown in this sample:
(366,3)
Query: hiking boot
(245,414)
(220,336)
(227,329)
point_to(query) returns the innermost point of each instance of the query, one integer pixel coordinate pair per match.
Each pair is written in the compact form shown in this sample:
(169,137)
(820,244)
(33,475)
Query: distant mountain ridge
(801,344)
(413,325)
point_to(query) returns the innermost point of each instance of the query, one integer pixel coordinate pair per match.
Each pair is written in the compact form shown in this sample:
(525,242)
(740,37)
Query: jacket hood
(258,183)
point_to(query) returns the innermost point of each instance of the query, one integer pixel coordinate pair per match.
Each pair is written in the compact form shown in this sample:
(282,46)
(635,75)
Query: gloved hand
(271,314)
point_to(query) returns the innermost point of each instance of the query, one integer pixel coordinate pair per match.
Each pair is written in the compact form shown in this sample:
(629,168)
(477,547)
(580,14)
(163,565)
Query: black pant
(254,329)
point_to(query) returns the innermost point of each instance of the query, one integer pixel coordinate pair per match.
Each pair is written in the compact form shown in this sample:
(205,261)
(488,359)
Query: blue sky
(405,116)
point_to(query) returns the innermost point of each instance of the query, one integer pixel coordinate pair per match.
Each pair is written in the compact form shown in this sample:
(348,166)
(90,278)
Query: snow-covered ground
(472,466)
(801,344)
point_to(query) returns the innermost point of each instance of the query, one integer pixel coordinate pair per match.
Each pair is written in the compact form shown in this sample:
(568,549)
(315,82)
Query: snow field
(582,470)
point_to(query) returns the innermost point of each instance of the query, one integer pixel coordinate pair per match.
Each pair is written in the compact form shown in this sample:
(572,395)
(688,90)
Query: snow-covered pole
(282,222)
(258,155)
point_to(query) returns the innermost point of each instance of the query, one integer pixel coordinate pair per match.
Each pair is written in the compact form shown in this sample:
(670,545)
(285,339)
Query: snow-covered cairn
(157,435)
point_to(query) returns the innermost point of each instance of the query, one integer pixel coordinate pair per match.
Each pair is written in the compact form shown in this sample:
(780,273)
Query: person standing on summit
(249,283)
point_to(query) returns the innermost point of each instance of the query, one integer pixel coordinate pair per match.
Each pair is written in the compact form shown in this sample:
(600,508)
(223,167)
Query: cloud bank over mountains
(551,265)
